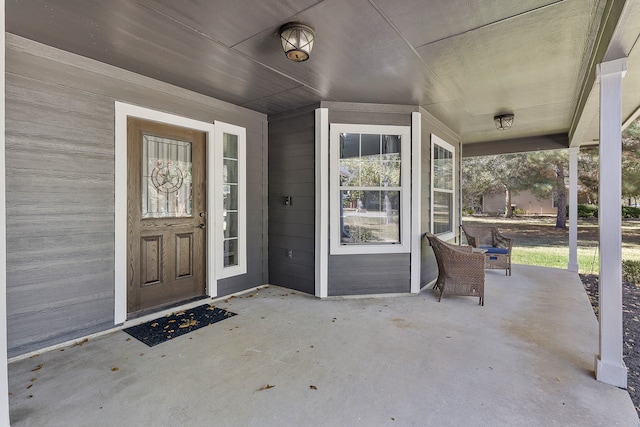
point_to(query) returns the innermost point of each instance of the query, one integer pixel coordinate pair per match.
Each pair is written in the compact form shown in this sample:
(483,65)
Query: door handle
(203,226)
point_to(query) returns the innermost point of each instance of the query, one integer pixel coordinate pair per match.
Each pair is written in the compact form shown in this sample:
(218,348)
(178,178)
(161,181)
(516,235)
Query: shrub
(586,211)
(591,211)
(361,234)
(631,270)
(630,212)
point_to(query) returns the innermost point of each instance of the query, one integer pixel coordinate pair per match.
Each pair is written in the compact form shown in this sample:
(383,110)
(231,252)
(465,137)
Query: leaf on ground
(114,369)
(34,379)
(29,386)
(172,321)
(180,313)
(141,354)
(153,325)
(80,343)
(129,339)
(37,368)
(266,387)
(188,323)
(312,387)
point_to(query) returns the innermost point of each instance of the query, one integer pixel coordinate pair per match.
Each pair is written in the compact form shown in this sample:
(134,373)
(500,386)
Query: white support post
(416,191)
(573,209)
(322,202)
(610,367)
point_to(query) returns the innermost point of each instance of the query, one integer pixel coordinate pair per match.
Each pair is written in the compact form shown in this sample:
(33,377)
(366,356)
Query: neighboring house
(151,145)
(524,200)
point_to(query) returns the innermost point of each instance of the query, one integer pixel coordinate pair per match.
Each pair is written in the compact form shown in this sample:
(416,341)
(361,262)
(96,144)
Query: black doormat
(157,331)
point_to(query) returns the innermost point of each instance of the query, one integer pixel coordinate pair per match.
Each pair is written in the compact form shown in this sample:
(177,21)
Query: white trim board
(137,321)
(436,140)
(335,245)
(321,202)
(416,202)
(122,111)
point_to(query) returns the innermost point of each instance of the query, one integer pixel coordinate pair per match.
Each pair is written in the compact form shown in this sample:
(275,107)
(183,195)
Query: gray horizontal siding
(369,274)
(429,125)
(376,273)
(292,228)
(60,188)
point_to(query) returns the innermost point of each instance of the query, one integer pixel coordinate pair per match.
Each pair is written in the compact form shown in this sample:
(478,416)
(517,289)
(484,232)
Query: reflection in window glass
(230,199)
(443,187)
(442,212)
(370,188)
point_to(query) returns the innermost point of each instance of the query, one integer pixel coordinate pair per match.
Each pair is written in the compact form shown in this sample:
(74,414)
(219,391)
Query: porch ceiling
(463,61)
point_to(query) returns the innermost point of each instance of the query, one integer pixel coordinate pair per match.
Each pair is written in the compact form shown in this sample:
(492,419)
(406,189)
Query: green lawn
(538,242)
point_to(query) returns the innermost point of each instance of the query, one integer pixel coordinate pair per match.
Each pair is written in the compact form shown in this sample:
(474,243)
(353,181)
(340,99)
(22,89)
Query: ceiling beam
(516,145)
(605,32)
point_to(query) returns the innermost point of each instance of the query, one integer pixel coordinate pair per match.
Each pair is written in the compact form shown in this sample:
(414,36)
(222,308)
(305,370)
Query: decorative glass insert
(230,184)
(370,188)
(166,178)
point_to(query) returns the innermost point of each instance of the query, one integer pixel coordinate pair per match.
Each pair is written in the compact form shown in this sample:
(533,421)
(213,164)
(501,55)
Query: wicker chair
(460,271)
(498,247)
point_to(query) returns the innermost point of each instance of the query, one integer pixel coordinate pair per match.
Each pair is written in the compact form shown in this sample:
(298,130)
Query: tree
(588,166)
(492,174)
(476,181)
(588,174)
(630,161)
(544,175)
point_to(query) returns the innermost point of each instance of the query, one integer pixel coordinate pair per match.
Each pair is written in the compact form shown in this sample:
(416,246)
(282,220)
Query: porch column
(573,209)
(610,367)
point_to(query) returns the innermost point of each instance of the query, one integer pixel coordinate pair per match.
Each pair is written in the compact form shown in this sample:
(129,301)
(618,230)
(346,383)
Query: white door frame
(122,111)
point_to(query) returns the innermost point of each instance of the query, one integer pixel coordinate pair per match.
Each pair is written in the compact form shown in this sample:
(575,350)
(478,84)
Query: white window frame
(336,247)
(216,158)
(435,140)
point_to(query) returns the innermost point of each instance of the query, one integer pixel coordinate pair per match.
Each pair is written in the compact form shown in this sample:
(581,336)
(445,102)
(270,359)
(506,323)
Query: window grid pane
(370,188)
(442,212)
(230,199)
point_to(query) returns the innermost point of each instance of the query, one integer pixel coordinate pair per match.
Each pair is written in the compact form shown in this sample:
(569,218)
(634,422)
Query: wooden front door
(165,214)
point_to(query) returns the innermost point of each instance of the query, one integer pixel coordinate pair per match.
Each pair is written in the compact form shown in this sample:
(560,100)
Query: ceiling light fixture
(297,40)
(503,121)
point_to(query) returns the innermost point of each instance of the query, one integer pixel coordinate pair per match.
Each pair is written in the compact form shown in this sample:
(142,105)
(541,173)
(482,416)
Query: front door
(165,214)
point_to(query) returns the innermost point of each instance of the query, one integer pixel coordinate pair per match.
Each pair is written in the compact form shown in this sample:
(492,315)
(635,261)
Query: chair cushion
(492,250)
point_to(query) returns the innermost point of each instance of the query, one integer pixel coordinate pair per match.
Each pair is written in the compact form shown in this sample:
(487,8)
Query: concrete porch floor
(524,359)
